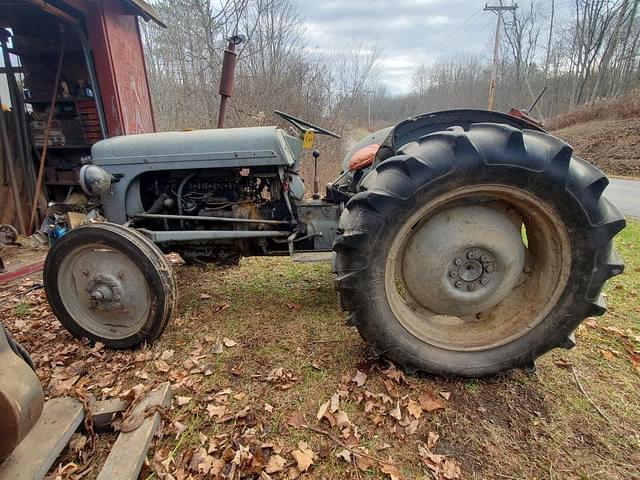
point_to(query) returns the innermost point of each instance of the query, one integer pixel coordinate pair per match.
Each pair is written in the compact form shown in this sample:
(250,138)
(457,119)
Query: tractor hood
(233,147)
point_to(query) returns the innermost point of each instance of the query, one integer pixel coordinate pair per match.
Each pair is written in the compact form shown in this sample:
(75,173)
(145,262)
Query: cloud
(409,32)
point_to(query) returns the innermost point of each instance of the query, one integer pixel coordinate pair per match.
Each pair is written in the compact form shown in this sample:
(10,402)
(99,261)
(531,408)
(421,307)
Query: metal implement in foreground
(21,396)
(474,243)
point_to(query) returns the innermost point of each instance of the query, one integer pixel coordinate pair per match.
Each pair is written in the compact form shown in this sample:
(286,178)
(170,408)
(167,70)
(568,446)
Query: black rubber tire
(145,254)
(487,153)
(18,349)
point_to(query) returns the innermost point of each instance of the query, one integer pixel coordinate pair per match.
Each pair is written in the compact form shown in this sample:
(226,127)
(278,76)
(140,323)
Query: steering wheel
(304,125)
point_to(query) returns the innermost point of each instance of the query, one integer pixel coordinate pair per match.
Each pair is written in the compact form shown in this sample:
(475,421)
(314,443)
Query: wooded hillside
(588,52)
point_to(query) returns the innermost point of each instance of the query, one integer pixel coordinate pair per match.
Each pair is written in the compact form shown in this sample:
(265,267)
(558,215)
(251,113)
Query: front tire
(110,284)
(473,252)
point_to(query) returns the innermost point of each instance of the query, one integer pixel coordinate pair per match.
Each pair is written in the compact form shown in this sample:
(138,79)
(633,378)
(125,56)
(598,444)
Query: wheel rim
(104,291)
(477,268)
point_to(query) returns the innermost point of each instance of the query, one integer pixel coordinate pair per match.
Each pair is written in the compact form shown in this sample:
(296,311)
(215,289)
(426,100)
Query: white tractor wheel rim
(460,276)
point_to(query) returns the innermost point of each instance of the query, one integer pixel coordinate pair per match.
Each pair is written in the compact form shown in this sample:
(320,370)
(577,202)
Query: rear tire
(110,284)
(408,302)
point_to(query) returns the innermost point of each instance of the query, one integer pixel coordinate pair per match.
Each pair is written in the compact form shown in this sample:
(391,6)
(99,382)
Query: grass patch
(22,309)
(284,318)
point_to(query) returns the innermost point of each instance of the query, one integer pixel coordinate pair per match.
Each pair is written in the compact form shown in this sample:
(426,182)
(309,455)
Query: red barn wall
(115,40)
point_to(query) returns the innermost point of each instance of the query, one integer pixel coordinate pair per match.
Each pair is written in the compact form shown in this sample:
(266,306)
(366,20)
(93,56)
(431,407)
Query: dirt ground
(269,383)
(611,145)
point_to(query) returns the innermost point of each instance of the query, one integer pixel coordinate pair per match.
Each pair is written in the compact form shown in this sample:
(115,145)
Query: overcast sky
(409,32)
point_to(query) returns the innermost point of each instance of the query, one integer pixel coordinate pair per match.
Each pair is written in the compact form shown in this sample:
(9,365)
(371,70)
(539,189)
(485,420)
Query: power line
(477,15)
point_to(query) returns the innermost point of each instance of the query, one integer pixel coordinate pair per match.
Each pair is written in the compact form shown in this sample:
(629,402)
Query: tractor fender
(392,138)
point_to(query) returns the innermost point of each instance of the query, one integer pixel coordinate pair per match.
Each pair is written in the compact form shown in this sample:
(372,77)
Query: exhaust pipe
(228,73)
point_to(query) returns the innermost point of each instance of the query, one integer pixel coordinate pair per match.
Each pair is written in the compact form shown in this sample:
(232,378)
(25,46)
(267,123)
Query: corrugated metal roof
(146,11)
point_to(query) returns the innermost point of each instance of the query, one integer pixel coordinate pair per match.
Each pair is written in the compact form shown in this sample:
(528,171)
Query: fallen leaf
(297,420)
(304,456)
(412,427)
(360,378)
(162,366)
(323,410)
(414,408)
(268,408)
(432,439)
(216,410)
(391,471)
(77,442)
(166,355)
(204,296)
(364,463)
(335,402)
(182,400)
(429,402)
(606,354)
(445,395)
(342,420)
(450,469)
(590,322)
(179,427)
(276,464)
(395,412)
(217,349)
(563,362)
(344,454)
(394,374)
(228,342)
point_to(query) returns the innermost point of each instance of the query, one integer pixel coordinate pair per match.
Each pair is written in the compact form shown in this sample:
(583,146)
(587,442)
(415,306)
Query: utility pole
(496,48)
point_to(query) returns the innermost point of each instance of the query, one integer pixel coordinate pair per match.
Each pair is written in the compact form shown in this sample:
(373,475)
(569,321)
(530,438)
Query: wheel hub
(463,260)
(472,270)
(104,291)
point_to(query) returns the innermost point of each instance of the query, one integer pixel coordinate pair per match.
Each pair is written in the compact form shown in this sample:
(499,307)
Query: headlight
(94,180)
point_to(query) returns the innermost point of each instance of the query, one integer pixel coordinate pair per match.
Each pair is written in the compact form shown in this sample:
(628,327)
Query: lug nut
(484,258)
(471,287)
(484,280)
(458,284)
(489,268)
(471,255)
(458,261)
(453,273)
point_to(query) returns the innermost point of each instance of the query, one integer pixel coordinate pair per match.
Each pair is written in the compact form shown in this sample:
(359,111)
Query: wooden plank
(103,411)
(21,271)
(35,455)
(128,453)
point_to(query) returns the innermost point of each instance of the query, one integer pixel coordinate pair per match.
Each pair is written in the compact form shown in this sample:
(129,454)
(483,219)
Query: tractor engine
(239,193)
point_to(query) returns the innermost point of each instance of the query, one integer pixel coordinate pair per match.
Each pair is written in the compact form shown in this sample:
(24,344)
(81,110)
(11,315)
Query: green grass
(22,309)
(517,425)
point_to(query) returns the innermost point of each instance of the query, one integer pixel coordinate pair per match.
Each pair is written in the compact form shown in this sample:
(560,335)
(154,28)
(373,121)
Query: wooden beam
(78,5)
(35,455)
(103,411)
(128,453)
(42,5)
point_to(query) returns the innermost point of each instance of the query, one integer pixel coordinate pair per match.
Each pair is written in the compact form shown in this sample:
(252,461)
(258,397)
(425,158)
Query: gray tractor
(474,243)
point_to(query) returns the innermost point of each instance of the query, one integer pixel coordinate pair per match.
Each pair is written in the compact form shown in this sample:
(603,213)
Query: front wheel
(473,252)
(110,284)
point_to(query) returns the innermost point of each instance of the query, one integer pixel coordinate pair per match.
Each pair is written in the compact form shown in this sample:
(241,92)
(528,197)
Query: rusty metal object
(21,397)
(227,75)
